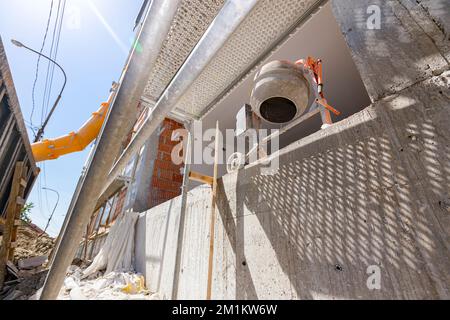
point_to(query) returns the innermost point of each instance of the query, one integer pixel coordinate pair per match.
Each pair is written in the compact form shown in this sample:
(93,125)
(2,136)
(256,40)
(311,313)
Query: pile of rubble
(32,242)
(24,288)
(26,273)
(109,276)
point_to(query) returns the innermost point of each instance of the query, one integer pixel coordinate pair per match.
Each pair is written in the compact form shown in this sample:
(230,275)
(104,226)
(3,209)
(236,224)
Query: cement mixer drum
(282,91)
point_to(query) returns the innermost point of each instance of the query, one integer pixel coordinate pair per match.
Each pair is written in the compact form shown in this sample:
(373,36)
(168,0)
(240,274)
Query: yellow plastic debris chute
(50,149)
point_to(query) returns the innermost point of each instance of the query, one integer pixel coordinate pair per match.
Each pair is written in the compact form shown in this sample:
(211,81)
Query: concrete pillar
(144,174)
(394,43)
(156,179)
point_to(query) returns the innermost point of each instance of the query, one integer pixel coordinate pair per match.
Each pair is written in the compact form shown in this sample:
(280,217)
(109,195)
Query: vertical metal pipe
(221,29)
(69,210)
(184,192)
(151,38)
(83,172)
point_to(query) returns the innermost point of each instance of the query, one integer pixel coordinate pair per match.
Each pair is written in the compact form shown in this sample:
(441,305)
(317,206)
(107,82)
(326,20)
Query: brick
(166,180)
(164,156)
(165,184)
(178,178)
(165,148)
(165,175)
(166,165)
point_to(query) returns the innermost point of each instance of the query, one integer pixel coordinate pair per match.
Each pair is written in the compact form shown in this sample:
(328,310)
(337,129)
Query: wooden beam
(2,93)
(213,214)
(11,211)
(200,177)
(86,242)
(20,203)
(23,183)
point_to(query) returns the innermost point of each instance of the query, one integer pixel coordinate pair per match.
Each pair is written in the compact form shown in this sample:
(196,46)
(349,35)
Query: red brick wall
(167,178)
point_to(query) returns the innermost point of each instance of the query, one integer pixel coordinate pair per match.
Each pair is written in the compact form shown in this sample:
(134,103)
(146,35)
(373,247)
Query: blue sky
(95,38)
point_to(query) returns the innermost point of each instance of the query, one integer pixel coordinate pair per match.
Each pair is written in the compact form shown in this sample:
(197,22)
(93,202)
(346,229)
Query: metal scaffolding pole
(151,39)
(184,193)
(220,30)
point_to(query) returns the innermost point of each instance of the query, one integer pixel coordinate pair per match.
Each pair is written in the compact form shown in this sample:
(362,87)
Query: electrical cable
(49,64)
(38,62)
(58,38)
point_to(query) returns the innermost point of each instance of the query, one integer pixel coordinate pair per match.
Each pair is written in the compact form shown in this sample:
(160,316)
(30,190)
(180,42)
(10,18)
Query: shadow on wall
(374,193)
(371,190)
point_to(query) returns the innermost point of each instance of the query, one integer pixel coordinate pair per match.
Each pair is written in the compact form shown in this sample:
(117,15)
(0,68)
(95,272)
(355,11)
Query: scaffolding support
(184,194)
(213,215)
(222,28)
(132,85)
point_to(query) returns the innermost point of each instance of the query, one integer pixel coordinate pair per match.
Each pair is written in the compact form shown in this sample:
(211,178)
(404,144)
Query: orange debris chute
(50,149)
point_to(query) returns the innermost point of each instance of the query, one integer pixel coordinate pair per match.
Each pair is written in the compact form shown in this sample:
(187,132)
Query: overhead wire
(49,63)
(44,99)
(58,39)
(38,63)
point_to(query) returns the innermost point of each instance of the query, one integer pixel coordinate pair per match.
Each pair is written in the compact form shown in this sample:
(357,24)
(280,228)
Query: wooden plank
(86,243)
(2,221)
(213,214)
(2,93)
(23,183)
(19,208)
(195,176)
(20,201)
(10,217)
(12,268)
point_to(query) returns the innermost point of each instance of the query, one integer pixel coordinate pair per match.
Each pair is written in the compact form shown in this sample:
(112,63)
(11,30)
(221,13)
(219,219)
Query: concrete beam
(398,54)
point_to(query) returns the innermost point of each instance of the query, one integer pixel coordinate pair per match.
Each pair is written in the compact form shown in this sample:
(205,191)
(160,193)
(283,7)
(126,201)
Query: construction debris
(110,276)
(117,251)
(32,242)
(112,286)
(31,263)
(23,289)
(11,268)
(27,272)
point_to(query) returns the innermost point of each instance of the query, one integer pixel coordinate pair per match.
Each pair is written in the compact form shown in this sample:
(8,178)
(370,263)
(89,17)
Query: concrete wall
(156,243)
(371,190)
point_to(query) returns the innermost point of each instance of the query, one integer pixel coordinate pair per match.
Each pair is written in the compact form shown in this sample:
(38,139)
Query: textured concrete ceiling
(257,36)
(191,21)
